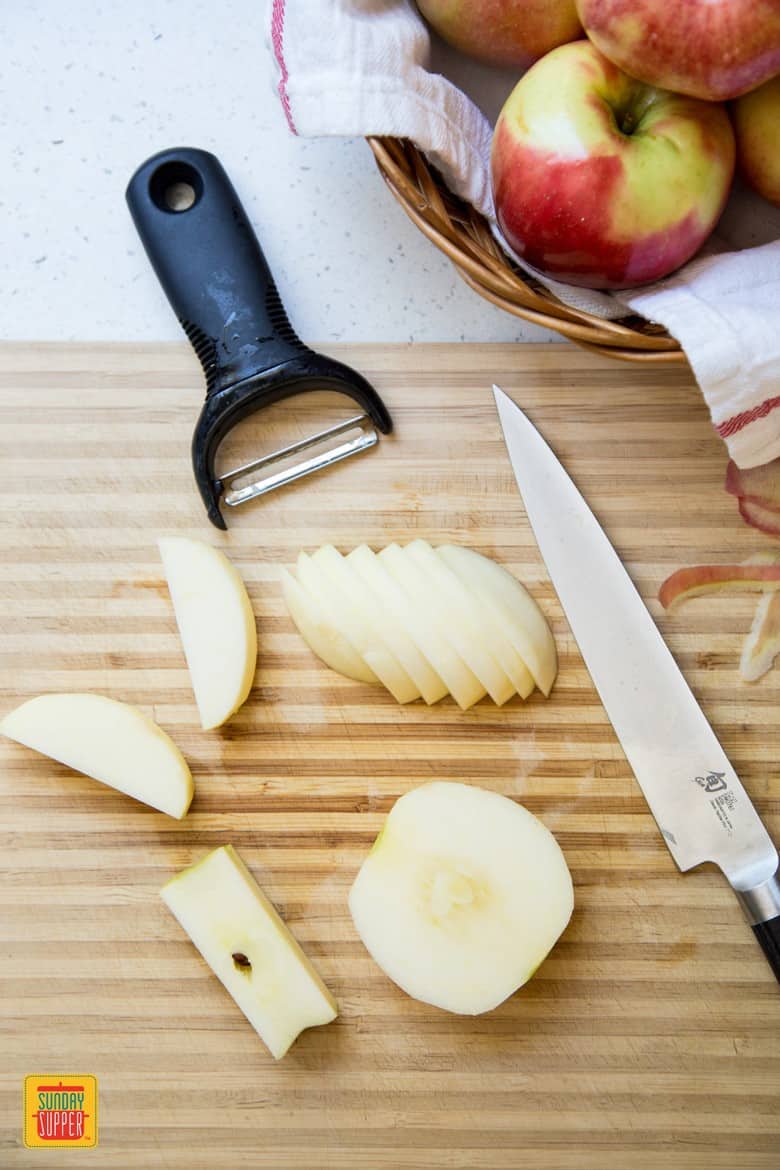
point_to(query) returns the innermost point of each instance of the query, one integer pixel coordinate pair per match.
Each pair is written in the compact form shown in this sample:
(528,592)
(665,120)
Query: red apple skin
(757,127)
(698,579)
(503,32)
(588,204)
(757,515)
(758,485)
(710,49)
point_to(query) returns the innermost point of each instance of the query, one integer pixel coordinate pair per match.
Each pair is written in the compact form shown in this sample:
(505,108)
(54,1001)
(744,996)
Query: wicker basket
(463,235)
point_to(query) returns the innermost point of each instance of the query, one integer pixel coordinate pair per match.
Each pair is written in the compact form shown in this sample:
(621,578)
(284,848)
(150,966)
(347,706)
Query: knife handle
(762,907)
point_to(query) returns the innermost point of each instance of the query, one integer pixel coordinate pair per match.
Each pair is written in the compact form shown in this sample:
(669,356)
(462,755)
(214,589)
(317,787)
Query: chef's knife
(694,794)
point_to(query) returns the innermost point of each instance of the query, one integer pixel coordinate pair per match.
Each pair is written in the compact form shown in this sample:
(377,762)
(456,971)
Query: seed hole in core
(242,963)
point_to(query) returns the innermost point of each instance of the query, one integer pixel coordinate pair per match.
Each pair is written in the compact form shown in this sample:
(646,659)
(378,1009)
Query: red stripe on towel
(738,421)
(277,38)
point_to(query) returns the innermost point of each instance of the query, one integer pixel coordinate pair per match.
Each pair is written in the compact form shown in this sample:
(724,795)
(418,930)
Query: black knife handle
(762,907)
(211,266)
(768,935)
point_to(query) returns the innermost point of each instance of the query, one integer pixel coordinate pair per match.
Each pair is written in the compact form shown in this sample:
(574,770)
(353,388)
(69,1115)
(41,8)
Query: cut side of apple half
(249,948)
(423,622)
(216,624)
(110,741)
(462,896)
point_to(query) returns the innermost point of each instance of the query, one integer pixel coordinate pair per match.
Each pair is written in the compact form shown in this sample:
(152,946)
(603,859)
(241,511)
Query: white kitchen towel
(360,67)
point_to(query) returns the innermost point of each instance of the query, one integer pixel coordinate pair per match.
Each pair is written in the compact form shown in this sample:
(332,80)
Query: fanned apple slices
(424,622)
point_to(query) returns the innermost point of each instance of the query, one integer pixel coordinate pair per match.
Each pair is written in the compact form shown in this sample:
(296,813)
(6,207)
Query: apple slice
(697,579)
(360,631)
(351,593)
(318,631)
(462,896)
(216,625)
(391,602)
(249,948)
(110,741)
(427,625)
(524,623)
(760,485)
(757,515)
(482,643)
(762,644)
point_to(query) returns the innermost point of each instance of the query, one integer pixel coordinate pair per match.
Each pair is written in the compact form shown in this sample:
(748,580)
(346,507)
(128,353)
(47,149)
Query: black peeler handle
(211,266)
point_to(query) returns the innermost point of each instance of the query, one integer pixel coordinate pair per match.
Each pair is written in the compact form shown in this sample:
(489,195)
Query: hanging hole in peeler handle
(175,187)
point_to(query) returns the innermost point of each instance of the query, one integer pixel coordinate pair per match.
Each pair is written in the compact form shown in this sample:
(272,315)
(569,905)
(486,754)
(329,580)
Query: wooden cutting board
(648,1040)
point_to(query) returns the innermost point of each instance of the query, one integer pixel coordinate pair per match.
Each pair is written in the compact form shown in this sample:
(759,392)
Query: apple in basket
(713,49)
(600,180)
(757,124)
(503,32)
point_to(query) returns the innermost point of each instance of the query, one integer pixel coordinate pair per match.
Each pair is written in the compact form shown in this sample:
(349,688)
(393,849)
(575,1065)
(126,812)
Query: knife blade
(698,801)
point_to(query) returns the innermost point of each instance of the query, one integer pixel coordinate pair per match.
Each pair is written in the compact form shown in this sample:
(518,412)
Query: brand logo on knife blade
(713,782)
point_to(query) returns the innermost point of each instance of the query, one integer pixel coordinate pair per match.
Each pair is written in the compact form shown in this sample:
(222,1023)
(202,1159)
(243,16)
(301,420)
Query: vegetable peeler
(213,271)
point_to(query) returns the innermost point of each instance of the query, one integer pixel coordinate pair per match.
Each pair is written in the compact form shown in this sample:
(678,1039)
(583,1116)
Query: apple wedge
(762,644)
(389,600)
(248,947)
(427,625)
(216,625)
(462,896)
(320,633)
(478,629)
(698,579)
(362,631)
(524,623)
(110,741)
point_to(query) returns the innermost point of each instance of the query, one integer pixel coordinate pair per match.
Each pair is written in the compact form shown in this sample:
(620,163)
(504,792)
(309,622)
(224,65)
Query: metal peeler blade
(233,495)
(212,268)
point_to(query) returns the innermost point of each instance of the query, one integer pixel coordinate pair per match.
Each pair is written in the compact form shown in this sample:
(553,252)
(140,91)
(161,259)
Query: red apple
(712,49)
(503,32)
(602,181)
(757,126)
(698,579)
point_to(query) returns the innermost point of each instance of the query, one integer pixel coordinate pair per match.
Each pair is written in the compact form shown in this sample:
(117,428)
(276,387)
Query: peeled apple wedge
(384,594)
(436,635)
(320,632)
(216,624)
(249,948)
(422,621)
(109,741)
(325,577)
(462,896)
(524,623)
(479,627)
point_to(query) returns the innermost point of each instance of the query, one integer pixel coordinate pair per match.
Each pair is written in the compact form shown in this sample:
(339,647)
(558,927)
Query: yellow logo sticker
(60,1109)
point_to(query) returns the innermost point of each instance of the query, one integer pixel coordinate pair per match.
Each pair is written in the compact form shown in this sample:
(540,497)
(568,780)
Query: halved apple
(697,579)
(216,625)
(249,948)
(389,601)
(321,634)
(462,896)
(524,622)
(477,635)
(426,625)
(362,632)
(110,741)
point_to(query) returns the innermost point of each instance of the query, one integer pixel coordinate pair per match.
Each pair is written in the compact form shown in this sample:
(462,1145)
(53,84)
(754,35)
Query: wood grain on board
(649,1038)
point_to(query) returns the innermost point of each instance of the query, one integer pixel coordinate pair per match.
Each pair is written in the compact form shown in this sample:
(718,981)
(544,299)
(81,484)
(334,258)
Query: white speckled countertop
(90,89)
